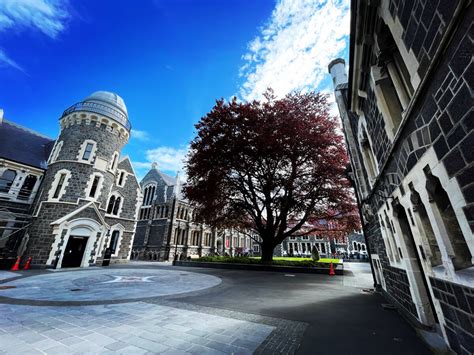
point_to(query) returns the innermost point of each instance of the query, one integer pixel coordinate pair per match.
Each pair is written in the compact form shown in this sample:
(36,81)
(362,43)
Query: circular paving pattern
(107,284)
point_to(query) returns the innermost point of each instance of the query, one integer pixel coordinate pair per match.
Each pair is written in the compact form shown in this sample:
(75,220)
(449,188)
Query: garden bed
(279,264)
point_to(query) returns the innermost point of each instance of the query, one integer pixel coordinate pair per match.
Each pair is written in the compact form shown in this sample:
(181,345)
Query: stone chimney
(337,69)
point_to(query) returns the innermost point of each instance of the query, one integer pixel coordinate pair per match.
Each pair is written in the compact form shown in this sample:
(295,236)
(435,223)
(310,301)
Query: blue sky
(168,59)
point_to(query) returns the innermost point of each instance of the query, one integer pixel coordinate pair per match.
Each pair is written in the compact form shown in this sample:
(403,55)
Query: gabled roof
(155,175)
(24,145)
(126,164)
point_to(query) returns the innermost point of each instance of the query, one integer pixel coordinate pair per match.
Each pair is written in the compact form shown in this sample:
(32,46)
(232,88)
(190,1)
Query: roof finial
(154,165)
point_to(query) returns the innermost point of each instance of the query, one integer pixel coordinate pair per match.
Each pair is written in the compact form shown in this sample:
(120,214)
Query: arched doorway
(80,238)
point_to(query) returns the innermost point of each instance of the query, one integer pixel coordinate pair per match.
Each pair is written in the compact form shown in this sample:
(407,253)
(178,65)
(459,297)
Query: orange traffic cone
(16,267)
(331,270)
(27,265)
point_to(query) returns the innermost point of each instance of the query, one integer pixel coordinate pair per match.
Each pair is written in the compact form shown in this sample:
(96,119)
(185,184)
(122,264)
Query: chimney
(337,69)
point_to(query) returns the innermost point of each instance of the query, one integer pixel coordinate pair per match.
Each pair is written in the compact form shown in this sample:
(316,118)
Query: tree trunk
(267,252)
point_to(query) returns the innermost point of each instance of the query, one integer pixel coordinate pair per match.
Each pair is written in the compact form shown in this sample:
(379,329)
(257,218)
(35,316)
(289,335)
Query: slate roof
(23,145)
(155,174)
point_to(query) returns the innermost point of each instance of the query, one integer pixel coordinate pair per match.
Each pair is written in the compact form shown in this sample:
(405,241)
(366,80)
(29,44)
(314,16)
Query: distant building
(407,114)
(167,225)
(64,202)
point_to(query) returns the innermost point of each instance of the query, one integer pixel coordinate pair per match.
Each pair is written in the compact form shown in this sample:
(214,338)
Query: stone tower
(81,193)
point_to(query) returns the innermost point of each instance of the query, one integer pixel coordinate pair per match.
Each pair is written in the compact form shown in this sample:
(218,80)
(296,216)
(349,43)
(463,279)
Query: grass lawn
(289,258)
(281,261)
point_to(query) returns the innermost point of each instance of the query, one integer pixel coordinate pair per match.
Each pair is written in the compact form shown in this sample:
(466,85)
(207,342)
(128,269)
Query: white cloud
(5,61)
(169,159)
(140,135)
(294,48)
(47,16)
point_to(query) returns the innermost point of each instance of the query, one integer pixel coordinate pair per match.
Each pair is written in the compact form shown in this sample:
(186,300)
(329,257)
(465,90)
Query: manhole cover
(76,289)
(6,287)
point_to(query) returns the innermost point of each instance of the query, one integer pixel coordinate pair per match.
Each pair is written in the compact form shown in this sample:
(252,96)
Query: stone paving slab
(130,328)
(107,284)
(7,275)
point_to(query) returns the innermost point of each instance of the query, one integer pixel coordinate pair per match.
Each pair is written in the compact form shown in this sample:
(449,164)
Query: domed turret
(104,103)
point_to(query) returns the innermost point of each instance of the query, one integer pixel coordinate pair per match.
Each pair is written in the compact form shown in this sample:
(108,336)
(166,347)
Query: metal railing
(101,109)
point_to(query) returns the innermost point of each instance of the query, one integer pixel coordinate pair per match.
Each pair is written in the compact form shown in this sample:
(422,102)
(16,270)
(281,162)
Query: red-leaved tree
(269,167)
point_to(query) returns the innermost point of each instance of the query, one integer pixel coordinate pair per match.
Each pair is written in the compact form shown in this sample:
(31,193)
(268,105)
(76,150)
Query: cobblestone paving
(42,315)
(126,328)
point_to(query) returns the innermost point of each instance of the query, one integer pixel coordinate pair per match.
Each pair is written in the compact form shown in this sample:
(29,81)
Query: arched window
(95,186)
(113,161)
(6,180)
(115,211)
(110,207)
(114,241)
(441,205)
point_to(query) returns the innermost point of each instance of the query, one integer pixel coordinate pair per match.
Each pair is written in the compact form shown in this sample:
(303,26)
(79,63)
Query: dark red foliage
(261,164)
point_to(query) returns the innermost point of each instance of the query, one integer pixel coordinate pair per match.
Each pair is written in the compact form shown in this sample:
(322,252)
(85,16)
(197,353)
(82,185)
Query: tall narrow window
(110,207)
(59,186)
(6,180)
(94,186)
(56,151)
(27,188)
(114,241)
(441,205)
(88,151)
(424,227)
(113,163)
(115,211)
(393,85)
(120,182)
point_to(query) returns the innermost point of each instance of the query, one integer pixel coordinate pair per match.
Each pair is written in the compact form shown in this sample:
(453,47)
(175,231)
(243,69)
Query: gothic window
(121,178)
(113,162)
(393,87)
(451,230)
(115,211)
(425,229)
(6,180)
(391,237)
(368,155)
(27,187)
(114,241)
(95,185)
(110,207)
(59,185)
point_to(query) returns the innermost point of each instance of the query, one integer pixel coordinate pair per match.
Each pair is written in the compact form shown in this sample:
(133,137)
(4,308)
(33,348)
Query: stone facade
(407,116)
(167,228)
(88,198)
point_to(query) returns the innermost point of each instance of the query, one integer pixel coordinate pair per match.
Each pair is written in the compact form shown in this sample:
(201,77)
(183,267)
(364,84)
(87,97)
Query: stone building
(81,196)
(406,109)
(167,226)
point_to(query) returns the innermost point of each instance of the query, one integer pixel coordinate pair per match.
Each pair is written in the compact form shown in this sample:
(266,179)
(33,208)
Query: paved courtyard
(155,308)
